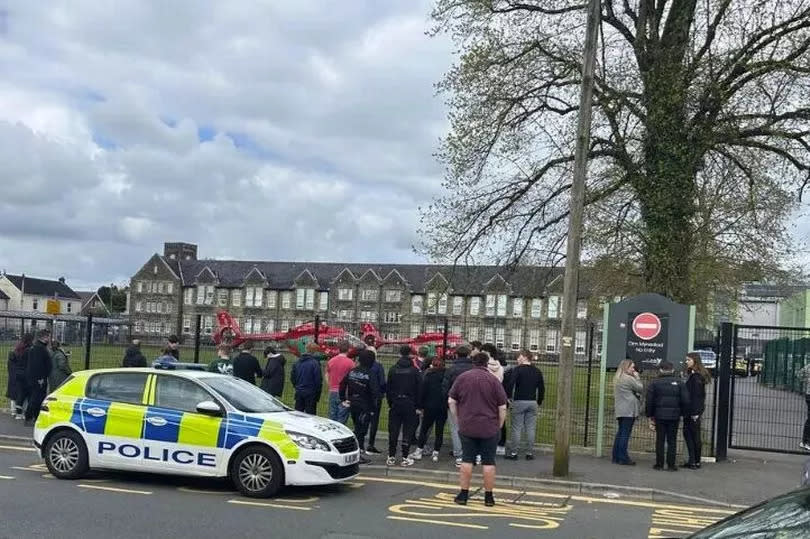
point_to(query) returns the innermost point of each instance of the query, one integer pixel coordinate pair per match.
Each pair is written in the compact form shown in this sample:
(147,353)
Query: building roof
(3,295)
(523,280)
(755,289)
(42,287)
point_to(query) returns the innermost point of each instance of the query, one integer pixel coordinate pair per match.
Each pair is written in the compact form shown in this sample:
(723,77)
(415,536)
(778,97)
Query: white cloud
(289,130)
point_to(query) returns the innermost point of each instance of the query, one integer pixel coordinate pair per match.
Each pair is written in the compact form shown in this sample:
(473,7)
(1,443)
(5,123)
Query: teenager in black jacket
(433,404)
(667,401)
(273,376)
(36,375)
(360,391)
(697,378)
(402,391)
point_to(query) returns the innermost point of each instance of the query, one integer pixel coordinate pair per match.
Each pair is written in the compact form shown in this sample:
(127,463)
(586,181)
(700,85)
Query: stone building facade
(513,309)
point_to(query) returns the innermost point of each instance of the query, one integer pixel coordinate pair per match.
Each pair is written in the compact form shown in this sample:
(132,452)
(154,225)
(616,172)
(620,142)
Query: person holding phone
(627,390)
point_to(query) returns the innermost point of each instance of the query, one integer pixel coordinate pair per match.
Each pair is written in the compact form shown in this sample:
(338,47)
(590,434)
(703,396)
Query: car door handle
(156,421)
(96,412)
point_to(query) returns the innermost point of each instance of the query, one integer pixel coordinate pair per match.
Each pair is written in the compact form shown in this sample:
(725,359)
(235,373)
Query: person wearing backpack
(667,401)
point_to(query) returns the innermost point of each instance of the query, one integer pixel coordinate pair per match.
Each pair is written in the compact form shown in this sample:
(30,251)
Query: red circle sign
(646,326)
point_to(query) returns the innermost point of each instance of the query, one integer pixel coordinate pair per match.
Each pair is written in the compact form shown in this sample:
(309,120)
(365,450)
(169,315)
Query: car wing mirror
(209,408)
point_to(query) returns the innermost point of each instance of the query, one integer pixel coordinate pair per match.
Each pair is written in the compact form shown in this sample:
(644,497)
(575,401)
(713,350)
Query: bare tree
(700,145)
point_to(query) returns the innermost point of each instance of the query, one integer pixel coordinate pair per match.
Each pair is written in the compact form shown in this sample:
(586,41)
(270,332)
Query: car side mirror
(209,408)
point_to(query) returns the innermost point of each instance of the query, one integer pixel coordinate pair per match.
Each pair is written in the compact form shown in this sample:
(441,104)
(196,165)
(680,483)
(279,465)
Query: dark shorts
(472,447)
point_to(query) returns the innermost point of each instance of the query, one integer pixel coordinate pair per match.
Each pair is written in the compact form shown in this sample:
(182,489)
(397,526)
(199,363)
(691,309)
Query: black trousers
(38,394)
(23,393)
(691,435)
(374,424)
(401,417)
(806,435)
(361,417)
(429,419)
(666,431)
(307,404)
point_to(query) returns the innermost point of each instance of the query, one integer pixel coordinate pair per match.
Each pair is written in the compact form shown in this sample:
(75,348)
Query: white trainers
(435,456)
(416,455)
(391,461)
(458,463)
(501,451)
(805,446)
(478,460)
(406,462)
(19,417)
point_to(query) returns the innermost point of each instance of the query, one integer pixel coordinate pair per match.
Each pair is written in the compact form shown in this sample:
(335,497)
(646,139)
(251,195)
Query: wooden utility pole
(562,432)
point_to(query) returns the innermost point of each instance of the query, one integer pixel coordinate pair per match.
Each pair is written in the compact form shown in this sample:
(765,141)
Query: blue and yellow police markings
(675,522)
(442,510)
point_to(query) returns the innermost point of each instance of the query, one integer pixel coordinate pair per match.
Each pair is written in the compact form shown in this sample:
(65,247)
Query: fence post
(88,341)
(724,394)
(317,327)
(197,332)
(600,416)
(444,340)
(591,332)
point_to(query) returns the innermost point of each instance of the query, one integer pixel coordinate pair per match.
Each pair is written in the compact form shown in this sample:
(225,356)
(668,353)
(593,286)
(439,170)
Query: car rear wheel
(66,455)
(257,472)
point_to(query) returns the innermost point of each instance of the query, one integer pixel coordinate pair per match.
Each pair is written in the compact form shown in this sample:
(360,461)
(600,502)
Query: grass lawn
(106,356)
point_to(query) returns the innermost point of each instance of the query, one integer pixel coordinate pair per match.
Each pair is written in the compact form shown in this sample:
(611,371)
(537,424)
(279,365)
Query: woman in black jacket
(17,388)
(273,375)
(697,378)
(433,404)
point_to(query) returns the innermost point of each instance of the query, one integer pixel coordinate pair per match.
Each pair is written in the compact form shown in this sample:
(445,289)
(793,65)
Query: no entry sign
(646,326)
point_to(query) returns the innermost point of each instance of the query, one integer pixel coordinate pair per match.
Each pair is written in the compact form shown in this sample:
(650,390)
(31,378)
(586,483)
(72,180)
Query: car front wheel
(66,455)
(257,472)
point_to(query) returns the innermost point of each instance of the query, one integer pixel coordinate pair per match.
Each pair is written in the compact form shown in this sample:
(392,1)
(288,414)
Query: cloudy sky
(289,130)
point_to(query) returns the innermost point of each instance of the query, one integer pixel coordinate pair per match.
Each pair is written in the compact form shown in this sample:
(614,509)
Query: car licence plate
(351,459)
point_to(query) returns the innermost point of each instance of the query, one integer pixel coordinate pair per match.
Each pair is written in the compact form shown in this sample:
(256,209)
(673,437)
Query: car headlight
(306,441)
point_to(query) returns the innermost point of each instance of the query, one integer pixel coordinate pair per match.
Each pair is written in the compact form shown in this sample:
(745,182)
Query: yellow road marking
(441,522)
(298,500)
(579,498)
(47,476)
(31,468)
(19,448)
(355,485)
(274,505)
(667,522)
(6,477)
(202,491)
(114,489)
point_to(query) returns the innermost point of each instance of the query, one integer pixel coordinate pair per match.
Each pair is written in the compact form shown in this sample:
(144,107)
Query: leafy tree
(119,298)
(699,145)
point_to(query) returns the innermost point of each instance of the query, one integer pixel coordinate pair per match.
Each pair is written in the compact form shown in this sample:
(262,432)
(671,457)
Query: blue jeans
(620,454)
(336,411)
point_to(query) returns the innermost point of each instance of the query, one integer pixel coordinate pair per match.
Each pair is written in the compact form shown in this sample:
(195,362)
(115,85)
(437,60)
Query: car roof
(147,370)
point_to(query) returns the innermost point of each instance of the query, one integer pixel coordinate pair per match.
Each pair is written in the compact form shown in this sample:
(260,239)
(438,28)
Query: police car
(189,423)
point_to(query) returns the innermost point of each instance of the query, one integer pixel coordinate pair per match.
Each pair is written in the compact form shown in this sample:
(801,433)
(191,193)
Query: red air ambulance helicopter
(327,336)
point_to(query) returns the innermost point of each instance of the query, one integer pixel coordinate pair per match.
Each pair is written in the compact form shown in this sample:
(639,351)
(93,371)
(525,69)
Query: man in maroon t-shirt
(478,402)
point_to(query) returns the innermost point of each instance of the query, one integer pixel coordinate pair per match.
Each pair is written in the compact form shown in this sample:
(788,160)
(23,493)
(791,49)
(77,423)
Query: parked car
(709,359)
(786,517)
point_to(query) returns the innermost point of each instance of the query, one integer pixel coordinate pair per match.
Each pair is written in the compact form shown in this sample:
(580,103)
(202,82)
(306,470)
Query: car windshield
(785,517)
(244,396)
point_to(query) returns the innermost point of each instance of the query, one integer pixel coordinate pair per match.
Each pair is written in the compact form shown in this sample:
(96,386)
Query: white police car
(189,423)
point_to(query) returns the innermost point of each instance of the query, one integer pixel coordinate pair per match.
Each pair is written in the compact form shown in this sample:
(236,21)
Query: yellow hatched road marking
(267,504)
(6,477)
(667,522)
(114,489)
(441,522)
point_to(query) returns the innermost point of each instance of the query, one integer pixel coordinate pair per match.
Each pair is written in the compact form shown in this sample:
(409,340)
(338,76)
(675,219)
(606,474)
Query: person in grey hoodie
(627,405)
(60,366)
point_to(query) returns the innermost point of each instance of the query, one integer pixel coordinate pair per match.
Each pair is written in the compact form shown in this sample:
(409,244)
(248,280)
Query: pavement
(745,479)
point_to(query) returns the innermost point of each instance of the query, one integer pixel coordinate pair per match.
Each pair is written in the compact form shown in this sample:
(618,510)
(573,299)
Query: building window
(368,316)
(554,307)
(499,337)
(392,317)
(369,294)
(345,314)
(140,287)
(222,298)
(286,297)
(455,329)
(200,294)
(517,307)
(582,309)
(537,308)
(579,343)
(475,306)
(323,301)
(254,296)
(154,269)
(169,288)
(248,328)
(159,306)
(490,305)
(345,294)
(285,325)
(209,294)
(236,297)
(517,339)
(552,338)
(138,306)
(168,307)
(271,299)
(148,306)
(305,299)
(534,340)
(138,326)
(501,305)
(431,303)
(443,304)
(416,304)
(458,305)
(186,324)
(393,296)
(489,335)
(161,287)
(473,333)
(414,330)
(35,304)
(208,324)
(188,296)
(270,326)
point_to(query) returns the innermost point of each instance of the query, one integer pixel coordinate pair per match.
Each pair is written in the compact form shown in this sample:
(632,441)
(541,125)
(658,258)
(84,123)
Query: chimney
(62,280)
